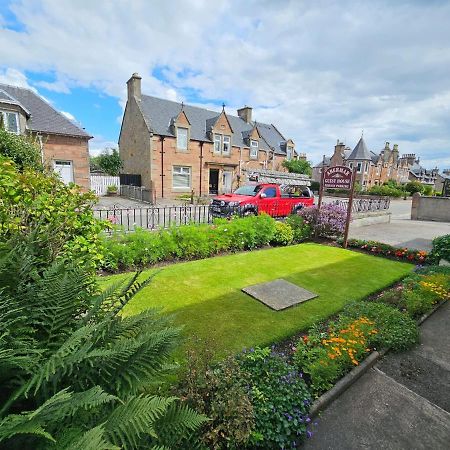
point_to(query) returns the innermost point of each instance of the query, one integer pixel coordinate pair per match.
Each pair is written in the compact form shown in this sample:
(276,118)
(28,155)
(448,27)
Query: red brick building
(178,148)
(64,145)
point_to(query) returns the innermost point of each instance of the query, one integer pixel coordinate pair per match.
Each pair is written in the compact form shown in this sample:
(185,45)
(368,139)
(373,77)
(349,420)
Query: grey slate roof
(42,116)
(159,113)
(360,152)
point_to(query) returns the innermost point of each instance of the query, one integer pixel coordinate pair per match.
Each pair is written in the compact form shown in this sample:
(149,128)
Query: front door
(213,181)
(227,179)
(65,170)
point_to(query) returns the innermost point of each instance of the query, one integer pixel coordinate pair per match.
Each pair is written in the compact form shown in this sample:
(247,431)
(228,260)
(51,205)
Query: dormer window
(226,145)
(289,152)
(222,144)
(254,149)
(182,138)
(10,121)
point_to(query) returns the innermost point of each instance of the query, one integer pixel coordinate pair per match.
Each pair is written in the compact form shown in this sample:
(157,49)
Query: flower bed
(276,387)
(378,248)
(195,241)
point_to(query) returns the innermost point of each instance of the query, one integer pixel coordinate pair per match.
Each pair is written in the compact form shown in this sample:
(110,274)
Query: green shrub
(386,190)
(392,297)
(74,372)
(219,392)
(280,400)
(441,248)
(22,150)
(128,250)
(416,303)
(395,329)
(302,231)
(67,226)
(414,186)
(283,235)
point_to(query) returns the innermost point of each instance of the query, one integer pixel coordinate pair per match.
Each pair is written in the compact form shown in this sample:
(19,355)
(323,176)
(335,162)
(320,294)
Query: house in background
(372,168)
(64,145)
(178,148)
(420,174)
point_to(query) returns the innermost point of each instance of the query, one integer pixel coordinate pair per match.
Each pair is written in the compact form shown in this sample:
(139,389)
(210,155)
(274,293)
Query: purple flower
(308,434)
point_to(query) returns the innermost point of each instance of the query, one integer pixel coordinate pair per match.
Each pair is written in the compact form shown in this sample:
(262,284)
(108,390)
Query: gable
(222,124)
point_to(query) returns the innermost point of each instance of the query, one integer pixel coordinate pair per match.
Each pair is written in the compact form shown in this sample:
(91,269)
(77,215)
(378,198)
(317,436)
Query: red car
(272,199)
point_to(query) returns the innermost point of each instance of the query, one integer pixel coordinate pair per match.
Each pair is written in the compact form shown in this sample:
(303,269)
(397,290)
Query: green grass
(206,296)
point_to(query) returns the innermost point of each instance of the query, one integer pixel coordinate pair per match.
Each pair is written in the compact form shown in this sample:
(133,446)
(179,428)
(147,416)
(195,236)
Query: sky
(319,70)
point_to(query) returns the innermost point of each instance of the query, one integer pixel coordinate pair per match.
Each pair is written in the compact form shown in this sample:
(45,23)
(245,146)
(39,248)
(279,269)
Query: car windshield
(248,190)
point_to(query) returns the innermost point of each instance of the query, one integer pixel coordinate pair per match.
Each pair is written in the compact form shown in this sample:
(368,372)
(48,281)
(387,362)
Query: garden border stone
(345,382)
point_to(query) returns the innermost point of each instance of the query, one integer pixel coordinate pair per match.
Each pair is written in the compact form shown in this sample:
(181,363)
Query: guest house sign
(337,177)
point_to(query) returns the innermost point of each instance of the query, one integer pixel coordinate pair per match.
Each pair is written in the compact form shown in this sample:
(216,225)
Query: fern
(136,418)
(73,371)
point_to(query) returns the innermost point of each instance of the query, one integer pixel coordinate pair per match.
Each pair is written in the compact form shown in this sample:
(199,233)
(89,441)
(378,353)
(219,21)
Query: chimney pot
(245,113)
(134,87)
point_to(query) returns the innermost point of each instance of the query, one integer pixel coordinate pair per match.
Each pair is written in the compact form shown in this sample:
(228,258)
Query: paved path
(416,234)
(403,403)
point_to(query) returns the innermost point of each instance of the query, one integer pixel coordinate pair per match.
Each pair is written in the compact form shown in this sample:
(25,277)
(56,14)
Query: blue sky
(320,70)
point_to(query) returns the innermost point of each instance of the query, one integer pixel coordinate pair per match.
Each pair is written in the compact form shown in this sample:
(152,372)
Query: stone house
(178,148)
(420,174)
(372,168)
(64,145)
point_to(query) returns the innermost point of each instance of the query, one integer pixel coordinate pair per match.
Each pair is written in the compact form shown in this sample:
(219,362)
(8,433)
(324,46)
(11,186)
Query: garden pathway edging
(345,382)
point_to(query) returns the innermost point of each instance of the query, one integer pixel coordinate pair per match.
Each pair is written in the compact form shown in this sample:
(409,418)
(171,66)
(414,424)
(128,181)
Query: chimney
(134,87)
(245,113)
(395,148)
(386,146)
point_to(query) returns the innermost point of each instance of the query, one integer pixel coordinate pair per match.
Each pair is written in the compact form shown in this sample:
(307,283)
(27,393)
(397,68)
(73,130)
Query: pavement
(402,231)
(403,403)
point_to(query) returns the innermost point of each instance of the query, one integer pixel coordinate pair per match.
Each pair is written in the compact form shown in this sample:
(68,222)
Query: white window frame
(359,167)
(5,114)
(217,144)
(350,164)
(182,171)
(254,148)
(289,152)
(367,167)
(228,138)
(180,144)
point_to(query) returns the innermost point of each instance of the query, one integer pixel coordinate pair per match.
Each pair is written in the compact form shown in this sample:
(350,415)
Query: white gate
(100,183)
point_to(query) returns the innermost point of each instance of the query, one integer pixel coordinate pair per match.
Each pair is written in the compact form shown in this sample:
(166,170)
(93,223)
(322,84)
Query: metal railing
(154,217)
(366,204)
(138,193)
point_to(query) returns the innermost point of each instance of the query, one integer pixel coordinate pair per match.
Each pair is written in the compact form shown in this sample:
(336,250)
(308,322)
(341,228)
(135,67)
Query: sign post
(349,208)
(340,177)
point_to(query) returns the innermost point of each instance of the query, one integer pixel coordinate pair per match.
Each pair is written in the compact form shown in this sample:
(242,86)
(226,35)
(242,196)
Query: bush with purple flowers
(280,399)
(329,221)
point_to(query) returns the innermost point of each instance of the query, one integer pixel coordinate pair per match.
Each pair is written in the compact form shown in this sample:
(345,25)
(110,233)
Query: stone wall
(135,143)
(430,208)
(67,148)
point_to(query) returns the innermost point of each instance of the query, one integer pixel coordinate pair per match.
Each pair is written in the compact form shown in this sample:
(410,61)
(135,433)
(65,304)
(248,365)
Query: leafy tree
(23,150)
(298,166)
(75,373)
(413,186)
(108,162)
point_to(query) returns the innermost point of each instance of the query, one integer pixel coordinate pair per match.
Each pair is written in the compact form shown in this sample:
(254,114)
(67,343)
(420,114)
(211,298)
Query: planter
(111,194)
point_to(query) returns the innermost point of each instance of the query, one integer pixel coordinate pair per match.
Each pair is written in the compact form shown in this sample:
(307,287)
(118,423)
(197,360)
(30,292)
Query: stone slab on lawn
(279,294)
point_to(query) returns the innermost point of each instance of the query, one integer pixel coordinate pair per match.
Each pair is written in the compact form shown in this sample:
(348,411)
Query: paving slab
(279,294)
(379,413)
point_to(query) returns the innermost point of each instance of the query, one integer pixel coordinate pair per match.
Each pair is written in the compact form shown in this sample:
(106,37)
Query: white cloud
(69,116)
(14,77)
(99,143)
(319,70)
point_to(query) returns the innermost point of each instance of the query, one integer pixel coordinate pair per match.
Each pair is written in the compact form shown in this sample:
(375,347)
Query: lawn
(206,296)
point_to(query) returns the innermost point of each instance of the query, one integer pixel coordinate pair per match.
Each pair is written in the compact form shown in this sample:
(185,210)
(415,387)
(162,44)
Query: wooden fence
(100,183)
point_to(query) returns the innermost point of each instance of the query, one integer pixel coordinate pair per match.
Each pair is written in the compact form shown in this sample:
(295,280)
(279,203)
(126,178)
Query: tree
(108,162)
(298,166)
